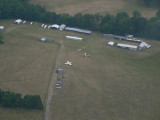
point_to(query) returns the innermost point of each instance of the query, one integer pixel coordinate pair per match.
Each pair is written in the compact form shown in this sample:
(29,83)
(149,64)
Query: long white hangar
(74,38)
(126,46)
(78,30)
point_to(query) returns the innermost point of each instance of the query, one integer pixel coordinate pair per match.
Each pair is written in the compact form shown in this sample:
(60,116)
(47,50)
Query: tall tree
(10,99)
(32,102)
(138,25)
(108,24)
(123,23)
(148,2)
(158,13)
(1,38)
(136,13)
(1,94)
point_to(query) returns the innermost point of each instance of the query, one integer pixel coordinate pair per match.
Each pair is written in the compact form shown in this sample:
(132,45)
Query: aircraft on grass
(68,63)
(85,55)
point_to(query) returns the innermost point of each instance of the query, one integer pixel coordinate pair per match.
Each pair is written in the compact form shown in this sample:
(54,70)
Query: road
(52,82)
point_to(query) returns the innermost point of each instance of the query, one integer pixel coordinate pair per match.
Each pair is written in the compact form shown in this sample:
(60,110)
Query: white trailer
(74,38)
(130,47)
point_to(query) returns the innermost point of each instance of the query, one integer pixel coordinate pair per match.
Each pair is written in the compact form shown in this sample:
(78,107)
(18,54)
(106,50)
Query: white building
(129,36)
(133,40)
(126,46)
(1,27)
(62,27)
(31,23)
(18,21)
(24,22)
(42,25)
(43,39)
(110,43)
(144,45)
(49,26)
(74,38)
(55,26)
(45,26)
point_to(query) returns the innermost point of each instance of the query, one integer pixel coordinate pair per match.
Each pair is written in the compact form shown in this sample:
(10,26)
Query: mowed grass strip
(113,84)
(93,6)
(22,114)
(26,65)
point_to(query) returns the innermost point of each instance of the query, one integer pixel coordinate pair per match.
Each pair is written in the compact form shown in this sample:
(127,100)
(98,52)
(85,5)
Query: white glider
(68,63)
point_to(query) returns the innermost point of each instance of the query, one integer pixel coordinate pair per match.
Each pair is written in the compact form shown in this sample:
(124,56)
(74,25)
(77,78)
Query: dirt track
(53,79)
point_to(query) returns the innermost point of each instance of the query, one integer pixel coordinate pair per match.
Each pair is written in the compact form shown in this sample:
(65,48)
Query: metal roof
(18,21)
(1,27)
(73,38)
(126,46)
(78,30)
(55,26)
(111,43)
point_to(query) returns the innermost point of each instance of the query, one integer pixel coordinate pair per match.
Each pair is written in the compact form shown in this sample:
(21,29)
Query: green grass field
(113,84)
(93,6)
(26,65)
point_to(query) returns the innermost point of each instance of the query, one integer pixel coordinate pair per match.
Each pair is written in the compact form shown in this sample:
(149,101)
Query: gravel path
(53,79)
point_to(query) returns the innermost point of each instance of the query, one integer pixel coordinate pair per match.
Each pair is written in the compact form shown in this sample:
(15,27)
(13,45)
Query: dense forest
(14,100)
(119,24)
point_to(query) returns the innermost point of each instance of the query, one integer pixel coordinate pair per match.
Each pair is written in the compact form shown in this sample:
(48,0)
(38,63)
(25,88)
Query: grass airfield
(113,84)
(26,66)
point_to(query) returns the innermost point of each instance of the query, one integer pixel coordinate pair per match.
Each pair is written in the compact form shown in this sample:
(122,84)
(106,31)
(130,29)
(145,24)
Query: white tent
(18,21)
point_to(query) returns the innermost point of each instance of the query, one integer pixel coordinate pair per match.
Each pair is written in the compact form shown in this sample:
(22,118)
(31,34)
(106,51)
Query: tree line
(1,38)
(14,100)
(152,2)
(119,24)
